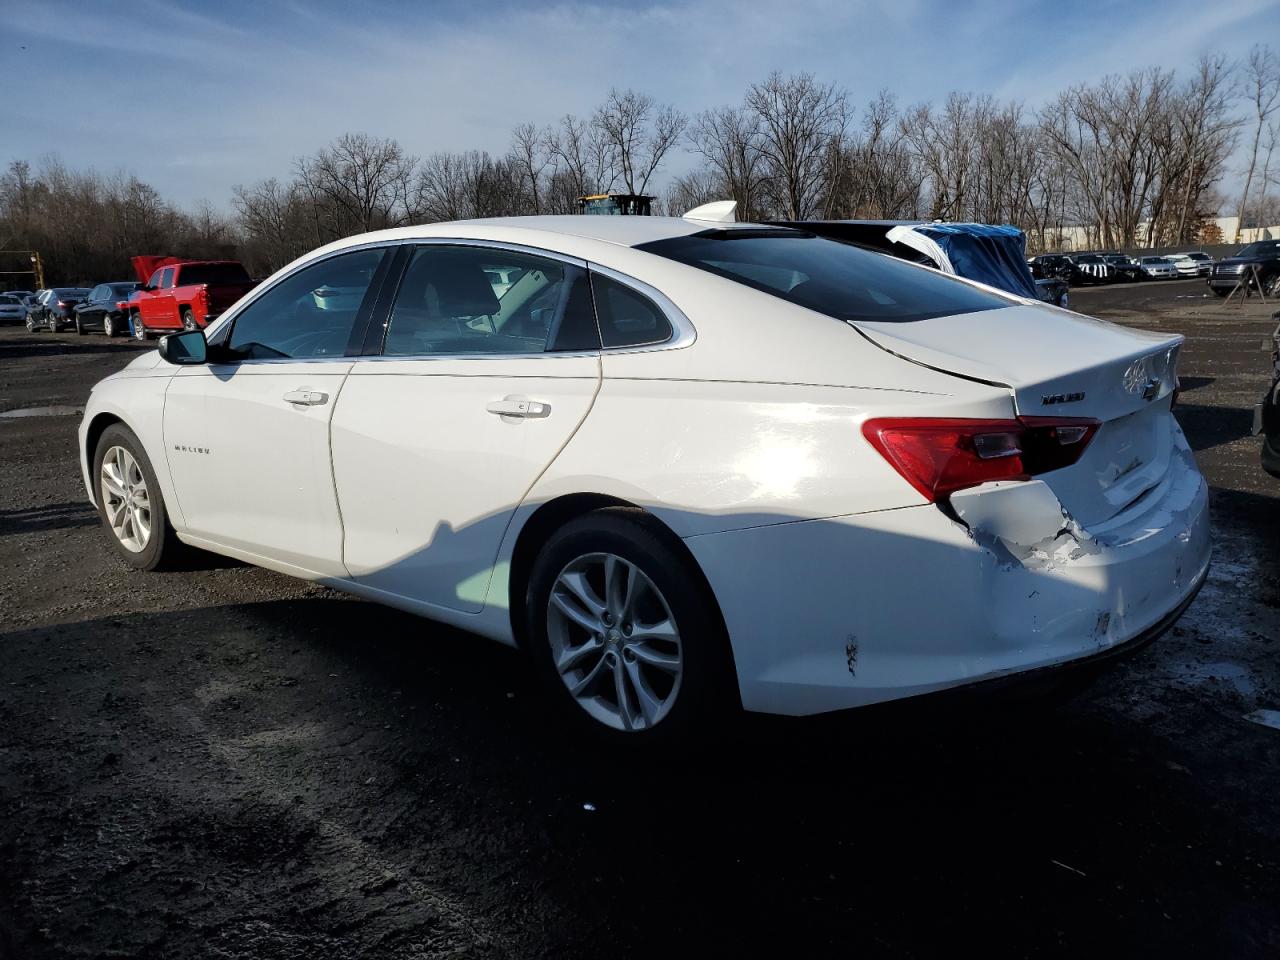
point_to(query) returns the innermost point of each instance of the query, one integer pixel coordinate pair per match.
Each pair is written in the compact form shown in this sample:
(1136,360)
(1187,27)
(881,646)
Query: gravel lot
(223,762)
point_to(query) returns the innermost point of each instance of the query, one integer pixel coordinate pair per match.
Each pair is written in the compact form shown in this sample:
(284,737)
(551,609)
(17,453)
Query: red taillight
(120,305)
(941,456)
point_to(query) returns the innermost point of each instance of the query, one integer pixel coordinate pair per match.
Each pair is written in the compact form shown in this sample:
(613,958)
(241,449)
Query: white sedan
(688,466)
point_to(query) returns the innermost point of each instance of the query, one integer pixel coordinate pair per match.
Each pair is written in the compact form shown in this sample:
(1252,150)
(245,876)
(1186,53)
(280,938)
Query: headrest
(461,287)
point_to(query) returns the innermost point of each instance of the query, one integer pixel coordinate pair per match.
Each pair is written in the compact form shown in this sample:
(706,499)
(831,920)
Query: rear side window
(838,279)
(214,273)
(627,318)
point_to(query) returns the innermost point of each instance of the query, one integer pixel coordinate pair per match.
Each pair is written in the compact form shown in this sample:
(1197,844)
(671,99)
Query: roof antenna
(718,211)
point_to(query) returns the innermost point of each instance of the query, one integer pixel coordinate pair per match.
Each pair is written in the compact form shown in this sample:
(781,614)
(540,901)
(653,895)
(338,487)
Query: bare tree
(1262,87)
(800,121)
(358,183)
(585,158)
(639,133)
(529,153)
(728,140)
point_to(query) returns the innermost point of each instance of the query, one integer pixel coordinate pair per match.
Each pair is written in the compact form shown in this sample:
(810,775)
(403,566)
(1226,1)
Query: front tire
(130,503)
(80,330)
(624,634)
(139,331)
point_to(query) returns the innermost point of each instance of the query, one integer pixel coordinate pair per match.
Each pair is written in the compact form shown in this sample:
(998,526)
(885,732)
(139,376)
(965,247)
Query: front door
(248,440)
(489,364)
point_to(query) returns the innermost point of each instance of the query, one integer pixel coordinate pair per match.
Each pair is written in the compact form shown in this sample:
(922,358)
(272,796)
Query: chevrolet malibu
(689,466)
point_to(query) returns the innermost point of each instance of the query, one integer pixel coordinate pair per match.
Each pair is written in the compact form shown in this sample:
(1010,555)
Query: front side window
(837,279)
(308,314)
(166,277)
(480,300)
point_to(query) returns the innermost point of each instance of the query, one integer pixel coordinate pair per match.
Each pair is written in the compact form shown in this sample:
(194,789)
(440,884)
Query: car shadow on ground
(430,753)
(1211,426)
(36,346)
(56,516)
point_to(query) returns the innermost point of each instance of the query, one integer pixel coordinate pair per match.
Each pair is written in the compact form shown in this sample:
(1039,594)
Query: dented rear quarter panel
(852,610)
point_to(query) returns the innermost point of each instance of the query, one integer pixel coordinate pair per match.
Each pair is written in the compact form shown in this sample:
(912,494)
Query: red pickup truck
(183,294)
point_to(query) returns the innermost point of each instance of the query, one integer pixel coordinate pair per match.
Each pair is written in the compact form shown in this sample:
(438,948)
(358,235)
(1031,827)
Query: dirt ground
(223,762)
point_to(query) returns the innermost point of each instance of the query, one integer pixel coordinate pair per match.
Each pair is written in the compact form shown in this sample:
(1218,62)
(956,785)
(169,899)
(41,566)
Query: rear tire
(130,503)
(108,325)
(652,669)
(188,319)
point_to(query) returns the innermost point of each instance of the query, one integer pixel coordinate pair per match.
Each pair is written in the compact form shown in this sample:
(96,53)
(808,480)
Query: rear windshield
(840,280)
(63,292)
(213,273)
(9,301)
(122,289)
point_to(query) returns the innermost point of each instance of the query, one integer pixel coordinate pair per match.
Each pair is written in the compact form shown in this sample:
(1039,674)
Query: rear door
(488,363)
(248,440)
(95,304)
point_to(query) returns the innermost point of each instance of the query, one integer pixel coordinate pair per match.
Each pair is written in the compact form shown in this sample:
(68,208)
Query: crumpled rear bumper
(836,613)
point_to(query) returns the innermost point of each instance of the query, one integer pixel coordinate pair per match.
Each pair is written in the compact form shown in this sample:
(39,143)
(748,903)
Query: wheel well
(94,434)
(553,515)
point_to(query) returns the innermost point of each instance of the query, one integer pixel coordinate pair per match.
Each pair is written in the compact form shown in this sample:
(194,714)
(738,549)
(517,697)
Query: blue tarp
(995,255)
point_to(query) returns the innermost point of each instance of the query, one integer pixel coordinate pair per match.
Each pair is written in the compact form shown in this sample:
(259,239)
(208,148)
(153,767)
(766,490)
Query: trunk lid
(1058,364)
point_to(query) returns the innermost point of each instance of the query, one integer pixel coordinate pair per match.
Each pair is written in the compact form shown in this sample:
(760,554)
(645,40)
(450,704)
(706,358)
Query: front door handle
(306,398)
(524,409)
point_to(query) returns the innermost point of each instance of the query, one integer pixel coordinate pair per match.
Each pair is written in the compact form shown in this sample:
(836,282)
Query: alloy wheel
(614,642)
(125,499)
(108,326)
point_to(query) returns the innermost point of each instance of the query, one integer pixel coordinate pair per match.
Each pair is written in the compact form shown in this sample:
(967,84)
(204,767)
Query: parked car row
(170,294)
(1079,269)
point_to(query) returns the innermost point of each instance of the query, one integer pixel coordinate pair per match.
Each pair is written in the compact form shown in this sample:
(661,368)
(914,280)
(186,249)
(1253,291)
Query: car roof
(626,231)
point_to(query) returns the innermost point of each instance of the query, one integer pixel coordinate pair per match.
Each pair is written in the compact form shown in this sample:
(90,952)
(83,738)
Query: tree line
(1138,160)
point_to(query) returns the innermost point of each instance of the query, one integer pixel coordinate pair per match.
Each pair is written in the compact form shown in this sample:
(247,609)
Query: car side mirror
(185,349)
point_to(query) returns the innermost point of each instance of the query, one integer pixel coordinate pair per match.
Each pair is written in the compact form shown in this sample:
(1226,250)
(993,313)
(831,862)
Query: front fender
(134,397)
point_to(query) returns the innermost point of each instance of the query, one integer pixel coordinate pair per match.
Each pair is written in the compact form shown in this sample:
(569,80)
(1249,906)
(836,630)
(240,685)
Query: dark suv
(1265,255)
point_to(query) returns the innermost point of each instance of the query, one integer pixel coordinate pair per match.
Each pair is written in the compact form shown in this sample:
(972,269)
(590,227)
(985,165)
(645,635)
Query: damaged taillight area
(939,456)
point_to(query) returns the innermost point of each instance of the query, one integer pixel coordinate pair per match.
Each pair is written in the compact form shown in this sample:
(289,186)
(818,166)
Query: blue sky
(197,97)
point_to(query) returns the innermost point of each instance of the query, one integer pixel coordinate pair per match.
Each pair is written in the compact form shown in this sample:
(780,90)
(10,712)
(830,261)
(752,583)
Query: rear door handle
(306,398)
(524,409)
